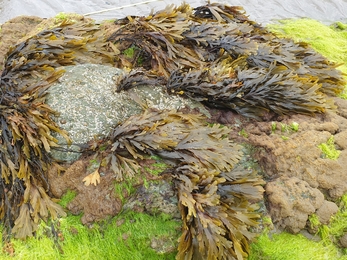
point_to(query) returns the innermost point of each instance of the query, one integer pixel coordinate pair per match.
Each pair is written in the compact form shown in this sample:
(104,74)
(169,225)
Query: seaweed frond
(213,199)
(26,121)
(217,55)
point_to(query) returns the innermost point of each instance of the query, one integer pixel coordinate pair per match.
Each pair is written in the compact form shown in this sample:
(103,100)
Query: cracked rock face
(89,106)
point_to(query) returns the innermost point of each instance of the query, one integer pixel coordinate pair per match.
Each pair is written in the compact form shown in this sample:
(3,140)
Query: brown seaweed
(26,121)
(213,200)
(219,56)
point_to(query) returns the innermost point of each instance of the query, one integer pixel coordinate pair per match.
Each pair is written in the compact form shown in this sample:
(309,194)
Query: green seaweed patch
(243,133)
(128,236)
(158,167)
(338,224)
(72,17)
(287,246)
(126,188)
(331,233)
(67,198)
(130,52)
(327,40)
(329,150)
(134,53)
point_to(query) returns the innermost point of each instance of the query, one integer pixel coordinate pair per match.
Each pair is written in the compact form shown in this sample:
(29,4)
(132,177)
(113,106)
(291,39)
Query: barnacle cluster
(213,54)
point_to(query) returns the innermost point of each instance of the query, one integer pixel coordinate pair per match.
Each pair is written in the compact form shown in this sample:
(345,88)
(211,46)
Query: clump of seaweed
(26,122)
(214,201)
(213,54)
(216,55)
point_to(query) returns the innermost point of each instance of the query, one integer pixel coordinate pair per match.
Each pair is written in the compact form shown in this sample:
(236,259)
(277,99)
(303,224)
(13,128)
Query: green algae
(329,150)
(285,246)
(127,236)
(67,198)
(330,41)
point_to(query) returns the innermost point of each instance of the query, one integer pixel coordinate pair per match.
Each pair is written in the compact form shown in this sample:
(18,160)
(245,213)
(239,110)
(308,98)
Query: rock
(291,201)
(95,202)
(89,107)
(325,212)
(327,126)
(343,240)
(13,30)
(342,106)
(341,139)
(158,197)
(299,156)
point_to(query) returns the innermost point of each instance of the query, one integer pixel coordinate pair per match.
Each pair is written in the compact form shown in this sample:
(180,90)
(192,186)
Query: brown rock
(299,155)
(327,126)
(341,139)
(343,240)
(325,212)
(342,106)
(13,30)
(96,202)
(291,201)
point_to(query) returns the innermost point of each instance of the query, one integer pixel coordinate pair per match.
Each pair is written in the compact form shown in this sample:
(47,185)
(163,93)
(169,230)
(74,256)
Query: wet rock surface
(291,201)
(155,198)
(326,211)
(89,106)
(327,11)
(294,159)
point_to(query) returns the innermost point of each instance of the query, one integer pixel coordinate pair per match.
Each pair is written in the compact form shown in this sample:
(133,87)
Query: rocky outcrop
(291,201)
(89,106)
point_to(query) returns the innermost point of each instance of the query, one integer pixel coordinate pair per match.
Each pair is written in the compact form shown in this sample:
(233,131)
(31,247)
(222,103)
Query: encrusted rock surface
(291,201)
(89,106)
(326,211)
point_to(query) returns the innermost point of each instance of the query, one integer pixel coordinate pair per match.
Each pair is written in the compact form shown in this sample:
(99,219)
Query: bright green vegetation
(130,52)
(62,16)
(67,198)
(330,41)
(67,16)
(293,127)
(128,236)
(133,52)
(243,133)
(329,149)
(330,234)
(286,246)
(125,188)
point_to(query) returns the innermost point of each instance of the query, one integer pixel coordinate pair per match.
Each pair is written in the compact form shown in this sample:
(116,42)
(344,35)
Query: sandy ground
(327,11)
